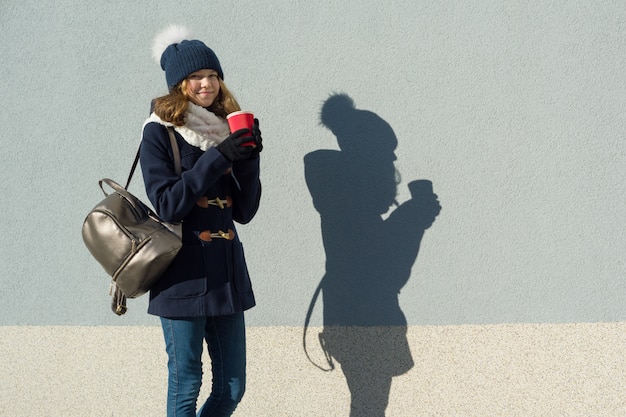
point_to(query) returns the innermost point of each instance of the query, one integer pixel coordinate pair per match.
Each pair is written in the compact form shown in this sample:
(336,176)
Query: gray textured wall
(514,111)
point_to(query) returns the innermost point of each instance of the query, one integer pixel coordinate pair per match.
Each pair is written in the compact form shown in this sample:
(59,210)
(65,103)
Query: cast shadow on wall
(368,258)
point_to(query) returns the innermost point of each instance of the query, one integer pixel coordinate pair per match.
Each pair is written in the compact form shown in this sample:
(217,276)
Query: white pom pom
(173,34)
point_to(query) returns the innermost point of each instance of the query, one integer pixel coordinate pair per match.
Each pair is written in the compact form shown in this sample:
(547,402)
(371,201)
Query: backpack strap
(175,152)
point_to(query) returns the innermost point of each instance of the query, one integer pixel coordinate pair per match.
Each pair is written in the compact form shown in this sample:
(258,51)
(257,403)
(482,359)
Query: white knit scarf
(202,128)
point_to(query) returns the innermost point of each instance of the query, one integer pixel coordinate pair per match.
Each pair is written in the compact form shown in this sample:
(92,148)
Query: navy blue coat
(207,278)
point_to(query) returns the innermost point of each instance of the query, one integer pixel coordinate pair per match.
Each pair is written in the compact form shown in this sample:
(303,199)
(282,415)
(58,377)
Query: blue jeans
(226,341)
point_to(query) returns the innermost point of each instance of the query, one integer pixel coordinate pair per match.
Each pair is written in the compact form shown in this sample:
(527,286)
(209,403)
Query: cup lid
(235,113)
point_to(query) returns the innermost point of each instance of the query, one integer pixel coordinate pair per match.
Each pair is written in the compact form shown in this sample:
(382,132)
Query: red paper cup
(241,120)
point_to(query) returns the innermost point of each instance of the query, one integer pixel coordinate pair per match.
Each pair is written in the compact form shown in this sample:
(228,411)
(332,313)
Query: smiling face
(203,87)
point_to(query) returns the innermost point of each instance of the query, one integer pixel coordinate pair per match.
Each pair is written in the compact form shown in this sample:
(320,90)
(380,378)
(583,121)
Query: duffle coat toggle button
(204,202)
(207,235)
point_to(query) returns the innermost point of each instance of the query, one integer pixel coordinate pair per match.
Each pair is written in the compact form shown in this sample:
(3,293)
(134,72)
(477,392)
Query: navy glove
(258,140)
(231,146)
(256,132)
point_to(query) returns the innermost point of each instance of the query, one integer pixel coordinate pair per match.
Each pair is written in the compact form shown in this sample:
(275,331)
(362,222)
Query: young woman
(203,294)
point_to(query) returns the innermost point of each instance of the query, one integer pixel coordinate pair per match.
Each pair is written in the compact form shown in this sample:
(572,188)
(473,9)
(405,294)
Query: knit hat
(179,56)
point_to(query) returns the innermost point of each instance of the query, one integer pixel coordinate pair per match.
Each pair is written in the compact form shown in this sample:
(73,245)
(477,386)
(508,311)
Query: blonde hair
(173,106)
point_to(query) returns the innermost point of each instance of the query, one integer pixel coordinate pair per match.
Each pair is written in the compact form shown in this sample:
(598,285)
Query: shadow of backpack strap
(307,320)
